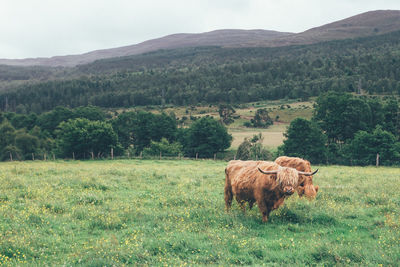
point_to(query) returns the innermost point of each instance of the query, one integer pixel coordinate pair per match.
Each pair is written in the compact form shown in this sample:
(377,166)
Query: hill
(233,38)
(366,24)
(190,76)
(362,25)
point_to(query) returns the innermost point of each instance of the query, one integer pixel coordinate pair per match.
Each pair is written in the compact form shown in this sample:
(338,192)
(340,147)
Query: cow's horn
(268,172)
(308,173)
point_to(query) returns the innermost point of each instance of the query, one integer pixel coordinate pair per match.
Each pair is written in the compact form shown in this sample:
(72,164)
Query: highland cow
(306,186)
(262,182)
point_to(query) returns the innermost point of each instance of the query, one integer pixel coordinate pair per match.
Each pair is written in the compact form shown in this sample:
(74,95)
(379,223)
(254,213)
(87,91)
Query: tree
(305,139)
(225,113)
(140,128)
(27,144)
(83,137)
(261,119)
(90,112)
(244,150)
(206,137)
(391,120)
(340,116)
(7,134)
(363,148)
(7,141)
(10,150)
(50,120)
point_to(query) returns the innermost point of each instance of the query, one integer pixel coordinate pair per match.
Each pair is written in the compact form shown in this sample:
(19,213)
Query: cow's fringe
(287,176)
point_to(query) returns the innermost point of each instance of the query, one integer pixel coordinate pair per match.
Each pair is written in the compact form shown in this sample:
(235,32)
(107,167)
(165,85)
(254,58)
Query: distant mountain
(366,24)
(363,25)
(232,38)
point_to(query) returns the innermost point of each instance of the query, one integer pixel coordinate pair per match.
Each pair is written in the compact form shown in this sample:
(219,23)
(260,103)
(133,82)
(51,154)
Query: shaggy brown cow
(263,182)
(306,186)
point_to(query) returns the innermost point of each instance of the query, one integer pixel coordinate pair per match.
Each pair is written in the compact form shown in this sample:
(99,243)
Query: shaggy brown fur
(248,184)
(306,186)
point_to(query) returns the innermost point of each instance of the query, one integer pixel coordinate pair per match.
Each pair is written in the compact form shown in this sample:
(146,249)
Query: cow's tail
(228,191)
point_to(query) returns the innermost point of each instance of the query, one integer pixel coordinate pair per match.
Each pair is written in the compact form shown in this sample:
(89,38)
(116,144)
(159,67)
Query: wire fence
(224,156)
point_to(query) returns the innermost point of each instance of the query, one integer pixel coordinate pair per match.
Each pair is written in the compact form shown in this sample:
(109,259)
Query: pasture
(273,135)
(132,212)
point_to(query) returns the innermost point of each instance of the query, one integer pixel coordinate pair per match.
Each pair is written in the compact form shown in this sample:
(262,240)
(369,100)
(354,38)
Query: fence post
(234,157)
(197,155)
(377,159)
(73,155)
(128,155)
(11,156)
(45,157)
(54,157)
(141,154)
(112,153)
(33,156)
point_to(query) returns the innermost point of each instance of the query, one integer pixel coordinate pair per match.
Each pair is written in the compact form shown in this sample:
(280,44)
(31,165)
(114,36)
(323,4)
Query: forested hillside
(213,75)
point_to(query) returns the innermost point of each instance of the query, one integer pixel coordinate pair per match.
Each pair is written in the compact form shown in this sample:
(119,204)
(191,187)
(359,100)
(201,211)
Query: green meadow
(155,213)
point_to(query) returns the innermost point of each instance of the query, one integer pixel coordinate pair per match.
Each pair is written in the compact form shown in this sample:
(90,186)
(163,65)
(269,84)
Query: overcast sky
(44,28)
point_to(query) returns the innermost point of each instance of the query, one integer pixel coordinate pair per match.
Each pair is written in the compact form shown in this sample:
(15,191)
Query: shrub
(164,147)
(253,149)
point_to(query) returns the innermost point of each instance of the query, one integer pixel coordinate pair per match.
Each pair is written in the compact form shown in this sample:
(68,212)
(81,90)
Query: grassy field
(103,213)
(284,110)
(273,135)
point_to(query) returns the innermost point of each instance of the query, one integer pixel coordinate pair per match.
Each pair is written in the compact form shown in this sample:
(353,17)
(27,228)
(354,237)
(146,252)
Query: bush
(253,149)
(163,147)
(247,124)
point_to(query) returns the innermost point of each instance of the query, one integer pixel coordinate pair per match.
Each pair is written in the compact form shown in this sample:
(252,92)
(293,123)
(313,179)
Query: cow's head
(288,178)
(306,186)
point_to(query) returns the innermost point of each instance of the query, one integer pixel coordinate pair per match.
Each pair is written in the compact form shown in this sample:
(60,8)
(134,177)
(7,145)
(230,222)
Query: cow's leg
(228,198)
(228,193)
(243,206)
(264,209)
(266,214)
(278,203)
(251,202)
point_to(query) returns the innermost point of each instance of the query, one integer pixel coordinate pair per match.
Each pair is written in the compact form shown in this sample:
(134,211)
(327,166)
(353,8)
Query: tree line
(89,132)
(347,130)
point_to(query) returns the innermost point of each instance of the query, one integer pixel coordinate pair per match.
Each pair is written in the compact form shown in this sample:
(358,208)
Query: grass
(132,212)
(273,136)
